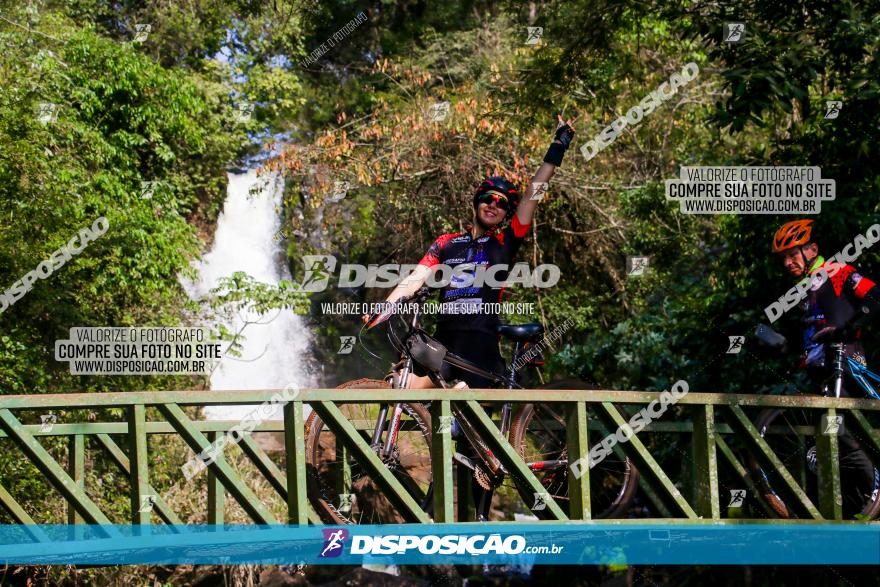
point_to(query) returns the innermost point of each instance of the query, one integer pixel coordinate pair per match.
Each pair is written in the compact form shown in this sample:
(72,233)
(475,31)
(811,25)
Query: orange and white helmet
(792,234)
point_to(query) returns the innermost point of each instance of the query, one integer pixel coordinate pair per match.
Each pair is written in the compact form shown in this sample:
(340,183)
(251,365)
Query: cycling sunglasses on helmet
(490,197)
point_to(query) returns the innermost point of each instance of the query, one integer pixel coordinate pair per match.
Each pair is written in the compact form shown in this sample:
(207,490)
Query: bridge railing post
(294,444)
(578,462)
(441,462)
(216,491)
(141,500)
(706,463)
(828,465)
(76,469)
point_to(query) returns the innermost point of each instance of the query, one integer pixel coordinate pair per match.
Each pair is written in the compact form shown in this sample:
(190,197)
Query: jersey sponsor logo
(463,276)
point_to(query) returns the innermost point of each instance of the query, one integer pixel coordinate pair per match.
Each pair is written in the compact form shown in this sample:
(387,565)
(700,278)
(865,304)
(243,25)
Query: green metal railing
(711,420)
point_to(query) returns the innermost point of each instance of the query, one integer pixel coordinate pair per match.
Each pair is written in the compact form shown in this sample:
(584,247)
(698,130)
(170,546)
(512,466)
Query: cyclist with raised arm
(465,325)
(836,297)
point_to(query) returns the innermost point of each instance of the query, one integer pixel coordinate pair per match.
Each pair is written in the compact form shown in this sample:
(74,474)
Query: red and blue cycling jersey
(833,302)
(489,250)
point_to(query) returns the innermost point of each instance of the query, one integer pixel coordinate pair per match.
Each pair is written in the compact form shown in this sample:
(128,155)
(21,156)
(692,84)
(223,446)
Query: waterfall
(275,352)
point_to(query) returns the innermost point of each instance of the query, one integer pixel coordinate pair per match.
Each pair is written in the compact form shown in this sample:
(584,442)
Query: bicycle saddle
(521,332)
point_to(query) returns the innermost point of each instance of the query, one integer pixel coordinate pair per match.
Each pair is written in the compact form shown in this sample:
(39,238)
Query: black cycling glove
(561,141)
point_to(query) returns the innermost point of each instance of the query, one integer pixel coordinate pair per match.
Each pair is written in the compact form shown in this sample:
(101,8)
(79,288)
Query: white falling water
(274,354)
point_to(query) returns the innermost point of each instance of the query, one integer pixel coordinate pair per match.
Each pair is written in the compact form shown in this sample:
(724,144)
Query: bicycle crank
(487,480)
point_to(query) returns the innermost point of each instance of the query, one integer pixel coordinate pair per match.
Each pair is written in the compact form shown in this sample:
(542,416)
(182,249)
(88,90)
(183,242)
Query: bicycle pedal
(463,460)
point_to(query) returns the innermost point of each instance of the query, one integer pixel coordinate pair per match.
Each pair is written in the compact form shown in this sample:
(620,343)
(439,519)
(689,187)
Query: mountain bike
(399,433)
(788,431)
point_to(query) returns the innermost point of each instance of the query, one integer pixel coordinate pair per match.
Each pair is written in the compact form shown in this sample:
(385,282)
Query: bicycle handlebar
(420,296)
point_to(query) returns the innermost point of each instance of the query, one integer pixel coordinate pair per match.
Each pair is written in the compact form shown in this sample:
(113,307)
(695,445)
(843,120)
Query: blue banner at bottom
(412,544)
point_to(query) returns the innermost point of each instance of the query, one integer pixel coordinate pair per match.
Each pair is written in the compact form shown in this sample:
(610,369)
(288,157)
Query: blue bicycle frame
(861,374)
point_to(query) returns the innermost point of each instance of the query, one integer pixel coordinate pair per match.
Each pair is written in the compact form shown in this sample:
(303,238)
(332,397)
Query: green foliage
(760,102)
(252,301)
(162,111)
(121,120)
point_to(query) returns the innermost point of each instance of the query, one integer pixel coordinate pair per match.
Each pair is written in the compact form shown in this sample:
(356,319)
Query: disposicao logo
(334,539)
(475,545)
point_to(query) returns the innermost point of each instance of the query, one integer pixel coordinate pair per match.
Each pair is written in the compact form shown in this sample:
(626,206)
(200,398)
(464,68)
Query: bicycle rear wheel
(538,433)
(790,433)
(339,487)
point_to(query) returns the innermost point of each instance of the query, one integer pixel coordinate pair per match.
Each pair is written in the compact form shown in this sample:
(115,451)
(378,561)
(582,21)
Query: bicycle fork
(838,367)
(400,381)
(393,429)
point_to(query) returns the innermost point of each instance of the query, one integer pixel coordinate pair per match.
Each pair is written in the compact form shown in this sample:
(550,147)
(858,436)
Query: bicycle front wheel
(791,434)
(339,487)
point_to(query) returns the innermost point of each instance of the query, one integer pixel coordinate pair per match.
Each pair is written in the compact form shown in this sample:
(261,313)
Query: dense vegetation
(162,109)
(758,102)
(96,123)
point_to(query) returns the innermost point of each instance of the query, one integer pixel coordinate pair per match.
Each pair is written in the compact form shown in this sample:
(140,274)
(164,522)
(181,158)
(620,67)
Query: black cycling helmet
(502,186)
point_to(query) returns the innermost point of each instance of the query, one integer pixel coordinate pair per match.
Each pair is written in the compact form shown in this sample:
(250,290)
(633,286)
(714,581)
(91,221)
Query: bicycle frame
(859,372)
(510,381)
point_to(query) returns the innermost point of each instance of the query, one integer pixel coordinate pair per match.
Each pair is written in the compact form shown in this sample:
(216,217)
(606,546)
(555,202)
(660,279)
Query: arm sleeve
(862,292)
(519,229)
(863,288)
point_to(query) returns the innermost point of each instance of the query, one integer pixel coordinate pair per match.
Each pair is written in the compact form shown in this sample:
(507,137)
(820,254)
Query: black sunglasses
(499,200)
